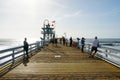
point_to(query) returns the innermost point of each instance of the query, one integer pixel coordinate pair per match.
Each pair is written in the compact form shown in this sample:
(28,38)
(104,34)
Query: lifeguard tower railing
(106,53)
(10,58)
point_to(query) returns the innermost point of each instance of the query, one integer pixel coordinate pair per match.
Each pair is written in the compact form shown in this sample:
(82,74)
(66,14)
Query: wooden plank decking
(63,63)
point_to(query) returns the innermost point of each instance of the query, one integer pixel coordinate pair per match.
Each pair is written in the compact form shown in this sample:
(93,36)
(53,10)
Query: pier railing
(106,53)
(9,58)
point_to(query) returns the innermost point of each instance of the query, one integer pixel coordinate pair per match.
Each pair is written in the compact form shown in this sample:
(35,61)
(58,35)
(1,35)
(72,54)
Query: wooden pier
(63,63)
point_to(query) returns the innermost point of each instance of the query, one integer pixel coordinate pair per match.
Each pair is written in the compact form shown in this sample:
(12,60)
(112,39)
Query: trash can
(75,44)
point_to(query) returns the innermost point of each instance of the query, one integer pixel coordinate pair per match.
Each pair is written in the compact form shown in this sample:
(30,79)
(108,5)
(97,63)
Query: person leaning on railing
(95,45)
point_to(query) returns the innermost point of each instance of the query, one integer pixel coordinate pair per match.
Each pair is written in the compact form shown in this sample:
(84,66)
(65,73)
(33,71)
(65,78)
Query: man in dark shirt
(26,47)
(71,41)
(82,44)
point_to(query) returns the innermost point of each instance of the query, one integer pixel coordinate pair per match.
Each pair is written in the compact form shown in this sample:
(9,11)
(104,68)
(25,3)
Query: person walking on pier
(66,41)
(71,41)
(82,44)
(60,40)
(26,47)
(63,41)
(56,41)
(95,45)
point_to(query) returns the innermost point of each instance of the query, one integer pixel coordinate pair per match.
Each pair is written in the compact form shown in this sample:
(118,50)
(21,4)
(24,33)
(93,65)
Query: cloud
(69,15)
(73,14)
(58,4)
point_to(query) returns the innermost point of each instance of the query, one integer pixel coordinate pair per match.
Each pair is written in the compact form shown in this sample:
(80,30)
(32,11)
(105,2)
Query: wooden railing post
(13,58)
(30,48)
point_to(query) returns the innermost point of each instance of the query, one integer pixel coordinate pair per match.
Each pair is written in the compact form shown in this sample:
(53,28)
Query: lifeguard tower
(48,32)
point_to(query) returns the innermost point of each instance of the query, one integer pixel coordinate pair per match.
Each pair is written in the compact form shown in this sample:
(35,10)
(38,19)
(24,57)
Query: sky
(75,18)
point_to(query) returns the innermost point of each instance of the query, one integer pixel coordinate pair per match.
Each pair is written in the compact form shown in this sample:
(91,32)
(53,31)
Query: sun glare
(34,2)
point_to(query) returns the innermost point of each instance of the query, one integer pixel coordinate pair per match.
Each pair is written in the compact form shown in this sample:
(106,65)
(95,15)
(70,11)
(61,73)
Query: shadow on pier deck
(63,63)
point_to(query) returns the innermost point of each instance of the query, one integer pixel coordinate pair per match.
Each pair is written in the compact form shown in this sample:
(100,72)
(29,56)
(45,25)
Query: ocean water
(9,43)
